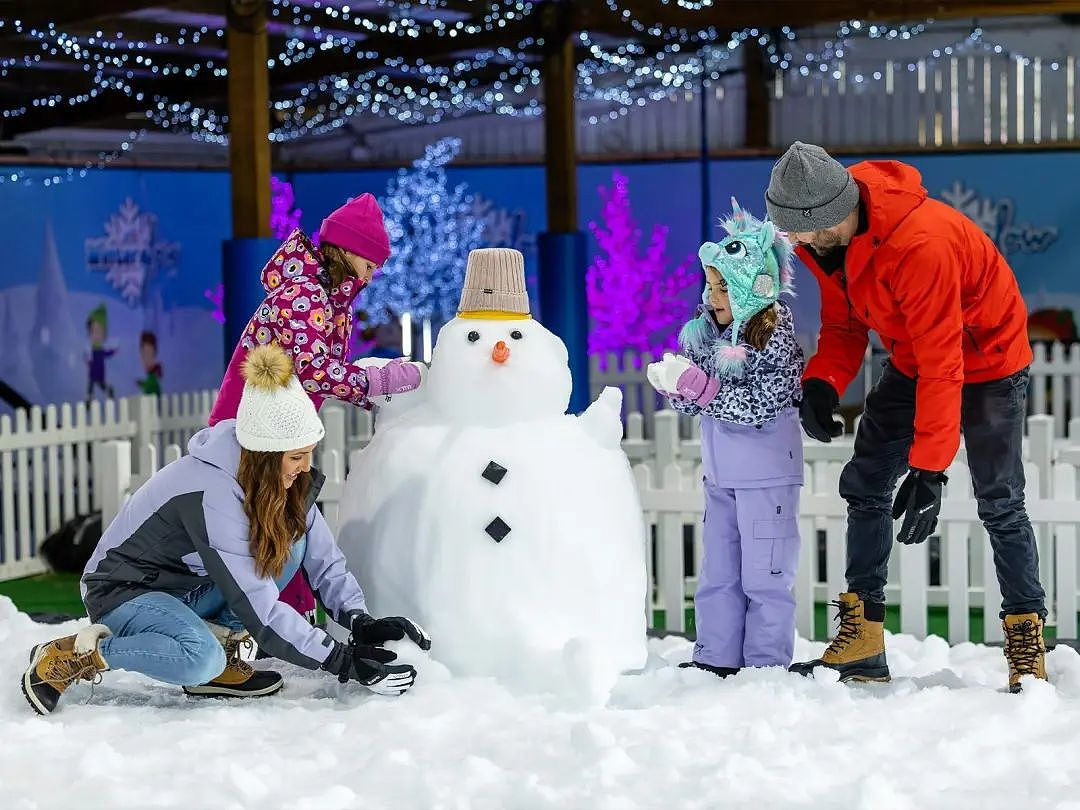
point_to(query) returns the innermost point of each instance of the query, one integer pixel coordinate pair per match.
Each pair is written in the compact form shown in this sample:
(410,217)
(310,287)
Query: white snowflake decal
(130,253)
(997,220)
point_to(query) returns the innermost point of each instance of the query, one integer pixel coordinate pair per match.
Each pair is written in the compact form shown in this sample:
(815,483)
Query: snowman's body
(508,572)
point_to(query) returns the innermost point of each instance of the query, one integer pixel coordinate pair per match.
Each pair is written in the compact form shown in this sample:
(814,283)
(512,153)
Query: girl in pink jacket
(308,312)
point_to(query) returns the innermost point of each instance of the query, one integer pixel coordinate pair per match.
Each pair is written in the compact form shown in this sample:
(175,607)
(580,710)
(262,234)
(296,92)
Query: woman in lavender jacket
(745,385)
(190,570)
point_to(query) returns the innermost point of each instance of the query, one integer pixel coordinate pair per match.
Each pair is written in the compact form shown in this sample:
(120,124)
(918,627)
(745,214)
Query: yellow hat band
(495,315)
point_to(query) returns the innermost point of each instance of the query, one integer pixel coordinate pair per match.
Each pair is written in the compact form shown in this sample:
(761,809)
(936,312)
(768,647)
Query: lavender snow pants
(744,605)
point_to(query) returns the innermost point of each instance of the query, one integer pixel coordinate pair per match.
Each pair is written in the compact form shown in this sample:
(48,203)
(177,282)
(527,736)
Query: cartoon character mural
(148,354)
(97,329)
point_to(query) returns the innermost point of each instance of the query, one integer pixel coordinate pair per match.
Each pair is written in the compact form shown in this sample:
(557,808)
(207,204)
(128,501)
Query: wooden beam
(249,119)
(107,105)
(39,13)
(560,130)
(595,15)
(430,48)
(757,95)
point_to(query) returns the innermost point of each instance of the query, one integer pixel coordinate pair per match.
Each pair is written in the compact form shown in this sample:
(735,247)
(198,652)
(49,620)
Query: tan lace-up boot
(858,651)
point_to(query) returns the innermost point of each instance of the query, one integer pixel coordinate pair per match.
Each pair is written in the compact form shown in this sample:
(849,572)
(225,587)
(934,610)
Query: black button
(497,529)
(494,472)
(474,336)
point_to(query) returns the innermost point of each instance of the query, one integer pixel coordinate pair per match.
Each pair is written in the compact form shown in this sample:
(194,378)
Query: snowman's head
(498,371)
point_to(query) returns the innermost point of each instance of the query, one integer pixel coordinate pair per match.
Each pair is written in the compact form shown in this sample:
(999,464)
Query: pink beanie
(358,227)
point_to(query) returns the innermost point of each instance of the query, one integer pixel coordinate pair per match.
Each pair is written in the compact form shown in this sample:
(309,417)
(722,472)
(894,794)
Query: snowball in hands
(507,528)
(664,375)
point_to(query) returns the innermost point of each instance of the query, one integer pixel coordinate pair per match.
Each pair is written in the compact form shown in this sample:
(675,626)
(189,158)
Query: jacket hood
(218,446)
(891,191)
(296,261)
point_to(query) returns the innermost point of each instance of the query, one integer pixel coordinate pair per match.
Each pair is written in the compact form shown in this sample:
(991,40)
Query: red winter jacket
(935,288)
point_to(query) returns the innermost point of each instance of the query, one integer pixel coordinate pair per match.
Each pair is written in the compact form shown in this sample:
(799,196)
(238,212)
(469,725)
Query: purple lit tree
(635,302)
(284,219)
(217,298)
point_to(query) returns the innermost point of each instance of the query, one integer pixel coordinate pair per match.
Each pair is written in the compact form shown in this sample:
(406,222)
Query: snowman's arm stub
(602,420)
(328,574)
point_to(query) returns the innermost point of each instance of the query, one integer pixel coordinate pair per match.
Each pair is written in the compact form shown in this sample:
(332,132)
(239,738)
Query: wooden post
(560,135)
(249,118)
(561,248)
(757,95)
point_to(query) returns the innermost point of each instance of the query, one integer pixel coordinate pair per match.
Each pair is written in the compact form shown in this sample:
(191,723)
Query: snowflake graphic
(996,218)
(131,254)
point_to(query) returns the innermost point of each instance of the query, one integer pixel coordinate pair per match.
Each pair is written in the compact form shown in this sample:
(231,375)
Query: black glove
(372,667)
(919,500)
(369,630)
(819,400)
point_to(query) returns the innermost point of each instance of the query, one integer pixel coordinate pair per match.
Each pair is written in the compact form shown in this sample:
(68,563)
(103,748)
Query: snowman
(509,529)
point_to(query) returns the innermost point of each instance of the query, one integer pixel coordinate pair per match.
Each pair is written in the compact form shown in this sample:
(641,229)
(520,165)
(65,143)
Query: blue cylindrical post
(242,261)
(563,304)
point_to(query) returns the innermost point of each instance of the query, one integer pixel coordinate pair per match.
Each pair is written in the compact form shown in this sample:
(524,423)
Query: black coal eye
(516,335)
(734,248)
(474,336)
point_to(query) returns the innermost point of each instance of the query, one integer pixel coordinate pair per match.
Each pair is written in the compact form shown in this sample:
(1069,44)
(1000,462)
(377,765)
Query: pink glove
(396,377)
(677,376)
(697,386)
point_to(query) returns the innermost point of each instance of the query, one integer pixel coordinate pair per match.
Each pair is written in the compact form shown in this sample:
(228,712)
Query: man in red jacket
(948,309)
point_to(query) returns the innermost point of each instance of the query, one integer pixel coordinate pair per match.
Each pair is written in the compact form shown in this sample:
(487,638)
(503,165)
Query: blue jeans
(992,420)
(160,636)
(166,638)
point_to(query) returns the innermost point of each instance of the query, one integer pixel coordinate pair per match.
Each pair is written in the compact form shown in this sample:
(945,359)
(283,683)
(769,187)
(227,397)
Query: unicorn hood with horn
(755,262)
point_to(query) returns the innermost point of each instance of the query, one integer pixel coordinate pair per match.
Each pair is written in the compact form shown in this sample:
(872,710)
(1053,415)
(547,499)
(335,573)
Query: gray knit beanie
(809,190)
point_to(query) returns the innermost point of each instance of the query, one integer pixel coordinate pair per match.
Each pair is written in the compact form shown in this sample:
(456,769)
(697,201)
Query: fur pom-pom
(730,360)
(267,367)
(696,335)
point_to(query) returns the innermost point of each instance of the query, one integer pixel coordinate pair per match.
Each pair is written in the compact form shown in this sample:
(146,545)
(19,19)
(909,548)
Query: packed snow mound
(941,735)
(509,529)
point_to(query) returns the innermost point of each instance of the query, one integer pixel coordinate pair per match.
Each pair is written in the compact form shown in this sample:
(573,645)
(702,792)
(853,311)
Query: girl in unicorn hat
(740,369)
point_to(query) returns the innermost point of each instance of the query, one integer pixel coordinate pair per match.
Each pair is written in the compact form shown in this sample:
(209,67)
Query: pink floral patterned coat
(308,320)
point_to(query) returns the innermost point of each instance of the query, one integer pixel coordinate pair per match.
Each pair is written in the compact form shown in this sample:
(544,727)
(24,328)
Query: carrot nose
(501,352)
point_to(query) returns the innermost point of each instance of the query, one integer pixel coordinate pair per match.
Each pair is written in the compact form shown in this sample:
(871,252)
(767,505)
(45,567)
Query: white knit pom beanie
(275,414)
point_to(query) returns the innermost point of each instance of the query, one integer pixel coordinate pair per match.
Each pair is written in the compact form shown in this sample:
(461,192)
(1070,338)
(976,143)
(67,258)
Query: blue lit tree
(432,228)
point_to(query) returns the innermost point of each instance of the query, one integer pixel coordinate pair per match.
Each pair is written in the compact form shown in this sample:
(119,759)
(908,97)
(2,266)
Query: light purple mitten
(676,376)
(396,377)
(697,386)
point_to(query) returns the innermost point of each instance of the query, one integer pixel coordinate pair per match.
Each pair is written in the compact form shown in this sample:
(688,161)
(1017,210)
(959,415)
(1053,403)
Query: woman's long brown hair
(277,516)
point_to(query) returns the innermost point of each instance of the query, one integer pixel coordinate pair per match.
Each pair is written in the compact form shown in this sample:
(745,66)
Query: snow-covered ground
(941,735)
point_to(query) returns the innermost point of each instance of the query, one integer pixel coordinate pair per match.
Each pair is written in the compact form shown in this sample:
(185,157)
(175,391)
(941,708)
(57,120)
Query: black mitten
(372,667)
(919,501)
(819,400)
(369,630)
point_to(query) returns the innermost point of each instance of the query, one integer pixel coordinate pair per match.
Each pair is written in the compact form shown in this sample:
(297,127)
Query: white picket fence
(49,460)
(672,505)
(58,463)
(1054,390)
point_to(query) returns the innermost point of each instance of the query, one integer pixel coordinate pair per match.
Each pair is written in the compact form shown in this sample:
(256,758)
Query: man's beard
(829,245)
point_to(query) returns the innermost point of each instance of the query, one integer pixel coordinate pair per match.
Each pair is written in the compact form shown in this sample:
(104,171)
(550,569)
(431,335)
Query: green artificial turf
(58,595)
